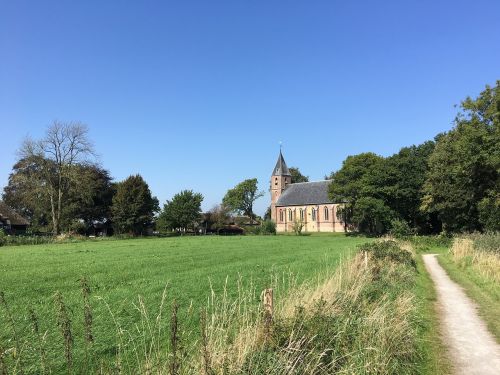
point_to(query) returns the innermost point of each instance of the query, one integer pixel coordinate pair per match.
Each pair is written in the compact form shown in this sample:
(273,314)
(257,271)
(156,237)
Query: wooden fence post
(267,301)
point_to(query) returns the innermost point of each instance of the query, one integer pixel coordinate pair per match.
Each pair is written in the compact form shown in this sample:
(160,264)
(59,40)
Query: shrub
(400,229)
(267,227)
(388,250)
(297,227)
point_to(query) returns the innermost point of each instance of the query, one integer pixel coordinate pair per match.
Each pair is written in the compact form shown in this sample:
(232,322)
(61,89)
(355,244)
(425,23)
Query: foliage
(133,206)
(373,186)
(390,251)
(371,216)
(463,183)
(400,229)
(267,227)
(297,227)
(25,193)
(242,197)
(267,214)
(182,212)
(297,176)
(351,182)
(3,237)
(64,146)
(217,218)
(87,196)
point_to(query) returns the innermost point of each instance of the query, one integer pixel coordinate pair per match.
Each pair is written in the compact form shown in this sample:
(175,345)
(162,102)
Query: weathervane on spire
(281,145)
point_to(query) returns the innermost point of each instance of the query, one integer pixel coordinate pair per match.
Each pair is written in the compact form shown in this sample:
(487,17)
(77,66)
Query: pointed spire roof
(281,169)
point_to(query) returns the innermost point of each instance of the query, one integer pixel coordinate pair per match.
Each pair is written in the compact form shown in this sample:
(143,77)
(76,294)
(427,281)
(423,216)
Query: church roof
(305,193)
(281,169)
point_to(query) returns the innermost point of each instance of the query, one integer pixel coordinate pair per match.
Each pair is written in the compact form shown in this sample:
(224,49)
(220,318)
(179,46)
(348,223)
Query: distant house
(11,221)
(305,202)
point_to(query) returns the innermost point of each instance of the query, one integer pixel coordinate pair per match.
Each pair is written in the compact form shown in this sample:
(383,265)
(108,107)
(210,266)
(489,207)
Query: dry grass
(365,336)
(465,254)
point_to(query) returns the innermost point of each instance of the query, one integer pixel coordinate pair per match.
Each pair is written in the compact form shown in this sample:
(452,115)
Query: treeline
(450,184)
(58,185)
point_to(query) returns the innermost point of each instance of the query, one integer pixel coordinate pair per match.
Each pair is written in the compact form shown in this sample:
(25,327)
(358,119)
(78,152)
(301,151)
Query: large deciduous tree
(463,183)
(26,193)
(297,176)
(133,206)
(376,189)
(181,213)
(56,154)
(242,197)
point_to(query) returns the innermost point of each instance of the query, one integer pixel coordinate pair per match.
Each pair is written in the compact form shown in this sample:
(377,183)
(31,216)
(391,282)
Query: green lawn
(121,270)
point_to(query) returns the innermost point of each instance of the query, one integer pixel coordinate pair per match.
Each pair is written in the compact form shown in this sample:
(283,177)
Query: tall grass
(481,253)
(360,318)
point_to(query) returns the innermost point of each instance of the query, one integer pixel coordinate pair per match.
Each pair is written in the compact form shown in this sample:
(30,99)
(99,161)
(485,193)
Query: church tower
(280,179)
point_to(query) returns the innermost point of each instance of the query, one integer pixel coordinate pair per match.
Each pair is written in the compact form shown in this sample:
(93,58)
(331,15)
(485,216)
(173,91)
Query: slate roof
(281,169)
(305,193)
(8,213)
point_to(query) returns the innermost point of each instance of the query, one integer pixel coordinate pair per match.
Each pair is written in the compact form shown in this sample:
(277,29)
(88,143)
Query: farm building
(10,221)
(305,202)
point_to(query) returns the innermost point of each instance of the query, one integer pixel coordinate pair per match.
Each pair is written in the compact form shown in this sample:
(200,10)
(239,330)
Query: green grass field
(119,271)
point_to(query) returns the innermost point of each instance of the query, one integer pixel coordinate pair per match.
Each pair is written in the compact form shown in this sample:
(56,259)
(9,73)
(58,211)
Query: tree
(242,197)
(133,206)
(372,216)
(217,217)
(399,181)
(297,176)
(391,185)
(351,182)
(182,212)
(26,194)
(64,146)
(91,199)
(87,198)
(462,184)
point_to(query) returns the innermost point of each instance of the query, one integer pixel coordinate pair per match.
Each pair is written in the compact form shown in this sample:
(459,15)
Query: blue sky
(198,94)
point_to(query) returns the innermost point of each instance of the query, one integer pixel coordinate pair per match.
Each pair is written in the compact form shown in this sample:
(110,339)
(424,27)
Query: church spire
(281,168)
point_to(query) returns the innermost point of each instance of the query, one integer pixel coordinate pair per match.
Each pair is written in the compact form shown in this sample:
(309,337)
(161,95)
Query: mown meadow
(127,281)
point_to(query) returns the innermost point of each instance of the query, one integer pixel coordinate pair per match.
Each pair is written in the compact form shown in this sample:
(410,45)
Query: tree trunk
(55,224)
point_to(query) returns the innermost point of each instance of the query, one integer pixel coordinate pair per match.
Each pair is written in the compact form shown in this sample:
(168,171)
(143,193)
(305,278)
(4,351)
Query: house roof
(281,169)
(8,213)
(305,193)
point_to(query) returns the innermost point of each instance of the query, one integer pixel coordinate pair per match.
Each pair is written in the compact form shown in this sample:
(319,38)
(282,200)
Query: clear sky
(198,94)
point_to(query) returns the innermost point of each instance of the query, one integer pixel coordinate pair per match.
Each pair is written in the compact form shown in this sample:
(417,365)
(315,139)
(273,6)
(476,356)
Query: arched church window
(301,213)
(281,215)
(313,214)
(290,215)
(327,214)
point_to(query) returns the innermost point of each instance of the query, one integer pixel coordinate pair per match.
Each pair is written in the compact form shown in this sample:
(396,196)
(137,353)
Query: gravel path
(472,347)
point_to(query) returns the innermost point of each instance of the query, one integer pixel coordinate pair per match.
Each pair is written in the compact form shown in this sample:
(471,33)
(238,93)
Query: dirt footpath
(472,347)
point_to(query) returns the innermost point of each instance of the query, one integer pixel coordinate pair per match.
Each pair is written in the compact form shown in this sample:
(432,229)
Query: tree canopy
(297,176)
(242,197)
(133,207)
(182,212)
(64,146)
(87,198)
(463,182)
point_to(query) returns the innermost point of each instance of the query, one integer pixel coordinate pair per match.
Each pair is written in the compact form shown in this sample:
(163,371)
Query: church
(305,202)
